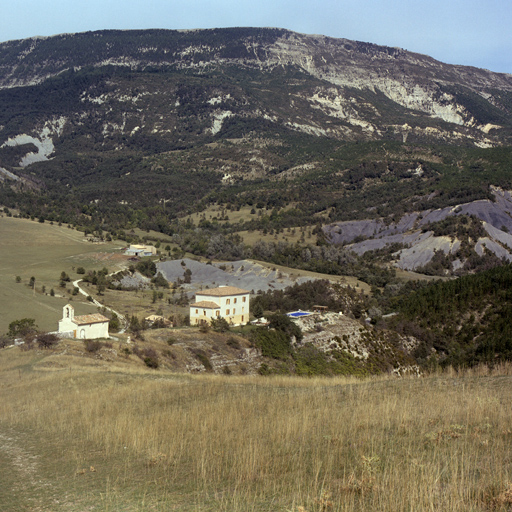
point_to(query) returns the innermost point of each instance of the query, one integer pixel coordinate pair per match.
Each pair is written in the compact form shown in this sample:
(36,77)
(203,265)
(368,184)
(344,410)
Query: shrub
(28,344)
(311,361)
(264,369)
(151,363)
(114,325)
(284,324)
(159,280)
(26,327)
(204,328)
(47,340)
(232,342)
(135,325)
(272,343)
(150,358)
(92,346)
(146,268)
(203,359)
(220,324)
(5,341)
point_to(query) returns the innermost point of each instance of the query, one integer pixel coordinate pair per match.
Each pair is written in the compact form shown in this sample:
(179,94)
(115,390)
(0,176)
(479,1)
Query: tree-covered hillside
(461,322)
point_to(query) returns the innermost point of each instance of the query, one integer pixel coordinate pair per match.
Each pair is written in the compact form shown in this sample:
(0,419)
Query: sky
(468,32)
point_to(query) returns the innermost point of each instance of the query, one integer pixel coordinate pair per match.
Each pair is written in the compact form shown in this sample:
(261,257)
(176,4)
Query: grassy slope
(81,437)
(30,249)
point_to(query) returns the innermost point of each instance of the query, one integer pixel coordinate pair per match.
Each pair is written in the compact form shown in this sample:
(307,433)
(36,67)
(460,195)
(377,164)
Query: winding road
(121,317)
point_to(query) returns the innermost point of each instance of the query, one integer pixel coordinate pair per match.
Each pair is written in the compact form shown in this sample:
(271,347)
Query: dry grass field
(293,236)
(30,249)
(220,213)
(77,436)
(349,280)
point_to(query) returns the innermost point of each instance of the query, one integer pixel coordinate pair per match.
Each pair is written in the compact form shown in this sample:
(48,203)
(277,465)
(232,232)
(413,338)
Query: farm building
(140,250)
(226,302)
(151,320)
(85,327)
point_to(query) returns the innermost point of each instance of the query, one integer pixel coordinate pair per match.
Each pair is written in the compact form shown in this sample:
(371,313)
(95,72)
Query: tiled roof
(96,318)
(222,291)
(205,304)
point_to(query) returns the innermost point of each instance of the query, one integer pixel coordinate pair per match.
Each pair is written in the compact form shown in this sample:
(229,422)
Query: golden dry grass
(220,211)
(130,439)
(293,236)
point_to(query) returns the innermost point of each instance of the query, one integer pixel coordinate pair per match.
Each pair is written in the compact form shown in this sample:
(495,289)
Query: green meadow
(32,249)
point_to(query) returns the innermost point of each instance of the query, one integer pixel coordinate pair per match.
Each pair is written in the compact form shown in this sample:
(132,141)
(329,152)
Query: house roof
(154,318)
(95,318)
(222,291)
(205,304)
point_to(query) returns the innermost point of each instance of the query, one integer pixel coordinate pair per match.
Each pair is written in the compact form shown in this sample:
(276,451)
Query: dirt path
(21,486)
(121,317)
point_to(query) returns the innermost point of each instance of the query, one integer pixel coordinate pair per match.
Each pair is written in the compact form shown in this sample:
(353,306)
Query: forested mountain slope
(118,129)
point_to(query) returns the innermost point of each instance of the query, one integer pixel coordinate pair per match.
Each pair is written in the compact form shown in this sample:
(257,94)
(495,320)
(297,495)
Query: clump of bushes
(151,359)
(203,359)
(148,355)
(272,343)
(92,346)
(232,342)
(204,328)
(220,324)
(47,340)
(171,340)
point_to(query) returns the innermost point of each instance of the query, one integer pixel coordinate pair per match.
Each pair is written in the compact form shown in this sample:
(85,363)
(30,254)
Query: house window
(243,309)
(243,299)
(242,318)
(204,313)
(227,311)
(227,301)
(197,311)
(217,313)
(234,310)
(234,301)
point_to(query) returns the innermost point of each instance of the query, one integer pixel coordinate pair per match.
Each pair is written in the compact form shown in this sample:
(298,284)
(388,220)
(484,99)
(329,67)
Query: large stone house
(85,327)
(226,302)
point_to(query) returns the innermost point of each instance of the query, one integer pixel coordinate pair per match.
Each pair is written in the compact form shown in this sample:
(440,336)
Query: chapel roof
(95,318)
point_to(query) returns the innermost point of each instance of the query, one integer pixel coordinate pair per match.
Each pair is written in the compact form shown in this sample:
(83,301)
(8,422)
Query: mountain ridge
(353,78)
(128,121)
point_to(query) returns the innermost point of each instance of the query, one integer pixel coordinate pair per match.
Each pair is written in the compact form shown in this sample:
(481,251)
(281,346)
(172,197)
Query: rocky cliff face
(327,87)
